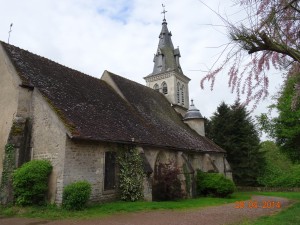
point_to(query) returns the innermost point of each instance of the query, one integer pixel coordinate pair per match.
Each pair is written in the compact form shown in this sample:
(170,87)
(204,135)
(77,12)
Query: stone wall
(197,125)
(268,189)
(8,101)
(16,153)
(196,160)
(208,162)
(181,160)
(171,78)
(48,142)
(85,161)
(15,109)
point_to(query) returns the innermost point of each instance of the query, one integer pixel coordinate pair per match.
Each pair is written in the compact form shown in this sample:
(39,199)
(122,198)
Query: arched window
(182,94)
(164,88)
(156,87)
(178,93)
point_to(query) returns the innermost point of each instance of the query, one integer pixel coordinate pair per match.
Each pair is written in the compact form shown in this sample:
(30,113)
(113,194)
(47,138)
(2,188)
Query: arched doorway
(166,184)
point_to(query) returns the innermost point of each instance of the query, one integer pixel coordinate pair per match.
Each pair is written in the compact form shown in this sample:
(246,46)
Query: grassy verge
(289,216)
(101,210)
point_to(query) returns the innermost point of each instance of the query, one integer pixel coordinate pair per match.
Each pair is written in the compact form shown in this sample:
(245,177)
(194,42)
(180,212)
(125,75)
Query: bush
(214,184)
(30,182)
(167,186)
(131,174)
(279,172)
(291,179)
(76,195)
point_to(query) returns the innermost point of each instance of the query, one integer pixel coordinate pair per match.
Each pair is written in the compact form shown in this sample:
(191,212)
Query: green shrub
(76,195)
(291,179)
(279,172)
(214,184)
(131,174)
(30,182)
(167,186)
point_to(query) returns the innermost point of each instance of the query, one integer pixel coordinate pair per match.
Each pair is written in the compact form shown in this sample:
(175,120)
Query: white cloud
(122,36)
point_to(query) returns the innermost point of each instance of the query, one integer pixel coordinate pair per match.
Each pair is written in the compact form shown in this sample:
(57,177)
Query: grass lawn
(286,217)
(105,209)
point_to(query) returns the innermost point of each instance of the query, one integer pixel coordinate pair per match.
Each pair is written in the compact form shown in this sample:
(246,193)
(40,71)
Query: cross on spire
(164,11)
(9,32)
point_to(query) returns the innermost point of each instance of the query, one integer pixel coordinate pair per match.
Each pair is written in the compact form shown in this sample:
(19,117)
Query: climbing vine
(8,167)
(8,164)
(131,173)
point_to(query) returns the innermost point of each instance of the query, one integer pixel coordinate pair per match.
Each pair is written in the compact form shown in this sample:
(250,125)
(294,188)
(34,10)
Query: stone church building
(78,122)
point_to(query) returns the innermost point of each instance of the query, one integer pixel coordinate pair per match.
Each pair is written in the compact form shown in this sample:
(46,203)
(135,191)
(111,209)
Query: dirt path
(216,215)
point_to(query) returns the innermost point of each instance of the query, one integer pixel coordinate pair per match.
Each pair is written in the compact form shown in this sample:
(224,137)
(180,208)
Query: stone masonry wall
(16,153)
(48,142)
(8,101)
(200,161)
(85,161)
(15,109)
(171,78)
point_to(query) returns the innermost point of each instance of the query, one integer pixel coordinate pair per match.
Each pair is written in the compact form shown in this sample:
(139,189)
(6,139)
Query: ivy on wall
(8,168)
(131,173)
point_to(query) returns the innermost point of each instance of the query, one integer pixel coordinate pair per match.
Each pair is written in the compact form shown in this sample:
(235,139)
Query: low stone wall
(268,189)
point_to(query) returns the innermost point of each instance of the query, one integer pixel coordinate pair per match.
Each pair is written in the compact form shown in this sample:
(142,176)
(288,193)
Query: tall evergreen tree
(232,128)
(220,128)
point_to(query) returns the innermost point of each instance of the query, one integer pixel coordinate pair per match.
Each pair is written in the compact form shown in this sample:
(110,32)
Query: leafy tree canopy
(285,128)
(279,171)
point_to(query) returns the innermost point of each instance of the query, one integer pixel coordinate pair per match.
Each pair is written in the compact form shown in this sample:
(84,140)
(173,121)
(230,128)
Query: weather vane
(9,32)
(164,11)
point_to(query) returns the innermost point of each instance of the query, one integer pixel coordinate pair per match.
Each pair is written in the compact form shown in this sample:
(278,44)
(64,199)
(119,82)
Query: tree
(271,37)
(219,121)
(287,124)
(277,164)
(233,130)
(285,128)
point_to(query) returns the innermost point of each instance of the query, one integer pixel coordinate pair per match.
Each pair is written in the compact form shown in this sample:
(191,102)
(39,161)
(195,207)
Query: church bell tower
(167,76)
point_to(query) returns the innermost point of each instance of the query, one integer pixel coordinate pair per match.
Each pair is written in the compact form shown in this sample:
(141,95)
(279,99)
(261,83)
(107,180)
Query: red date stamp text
(252,204)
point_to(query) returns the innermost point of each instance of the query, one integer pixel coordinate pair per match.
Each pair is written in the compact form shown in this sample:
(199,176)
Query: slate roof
(92,110)
(165,57)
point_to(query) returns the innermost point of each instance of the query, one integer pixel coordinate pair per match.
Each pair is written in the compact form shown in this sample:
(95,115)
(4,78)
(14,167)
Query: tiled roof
(92,110)
(166,126)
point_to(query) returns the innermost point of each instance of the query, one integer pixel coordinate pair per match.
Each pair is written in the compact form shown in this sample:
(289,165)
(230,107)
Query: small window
(156,87)
(164,88)
(110,171)
(182,94)
(178,93)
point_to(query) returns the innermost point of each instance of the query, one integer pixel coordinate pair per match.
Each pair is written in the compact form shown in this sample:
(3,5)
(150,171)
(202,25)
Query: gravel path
(216,215)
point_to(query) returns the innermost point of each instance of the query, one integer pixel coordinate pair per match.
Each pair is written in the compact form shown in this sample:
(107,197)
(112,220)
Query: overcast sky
(121,36)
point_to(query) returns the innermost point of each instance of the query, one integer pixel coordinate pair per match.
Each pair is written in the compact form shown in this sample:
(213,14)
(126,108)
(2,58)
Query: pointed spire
(166,57)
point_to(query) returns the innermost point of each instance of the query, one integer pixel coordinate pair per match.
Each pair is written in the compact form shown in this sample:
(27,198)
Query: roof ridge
(132,81)
(47,59)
